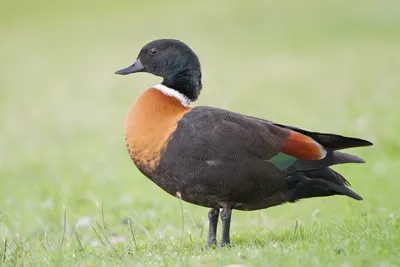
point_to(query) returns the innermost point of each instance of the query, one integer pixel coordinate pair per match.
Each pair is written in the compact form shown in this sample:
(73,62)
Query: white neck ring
(173,93)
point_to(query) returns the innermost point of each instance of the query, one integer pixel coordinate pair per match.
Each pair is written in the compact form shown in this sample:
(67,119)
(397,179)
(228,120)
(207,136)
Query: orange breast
(151,120)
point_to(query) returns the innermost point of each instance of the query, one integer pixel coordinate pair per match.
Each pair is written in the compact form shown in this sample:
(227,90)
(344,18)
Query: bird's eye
(153,51)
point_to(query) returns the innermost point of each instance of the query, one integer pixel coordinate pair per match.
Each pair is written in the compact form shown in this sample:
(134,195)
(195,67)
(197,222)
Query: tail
(314,178)
(302,186)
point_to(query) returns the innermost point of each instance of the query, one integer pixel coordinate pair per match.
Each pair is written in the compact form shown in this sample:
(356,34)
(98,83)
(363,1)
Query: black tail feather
(328,175)
(332,141)
(306,187)
(332,158)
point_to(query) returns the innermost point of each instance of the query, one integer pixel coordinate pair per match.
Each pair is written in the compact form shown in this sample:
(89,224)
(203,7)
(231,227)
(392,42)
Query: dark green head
(172,60)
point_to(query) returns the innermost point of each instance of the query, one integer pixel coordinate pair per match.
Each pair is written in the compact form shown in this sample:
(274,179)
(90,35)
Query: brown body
(212,157)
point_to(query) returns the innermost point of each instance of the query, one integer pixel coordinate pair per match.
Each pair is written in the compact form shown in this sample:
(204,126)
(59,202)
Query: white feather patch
(323,151)
(173,93)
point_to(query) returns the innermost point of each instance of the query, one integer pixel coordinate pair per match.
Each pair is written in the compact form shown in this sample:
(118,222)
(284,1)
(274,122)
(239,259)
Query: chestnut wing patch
(303,147)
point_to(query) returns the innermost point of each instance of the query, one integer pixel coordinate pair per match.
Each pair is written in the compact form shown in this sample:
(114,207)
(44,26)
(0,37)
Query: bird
(220,159)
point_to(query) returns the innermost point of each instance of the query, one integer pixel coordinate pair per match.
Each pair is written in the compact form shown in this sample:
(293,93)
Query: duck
(219,159)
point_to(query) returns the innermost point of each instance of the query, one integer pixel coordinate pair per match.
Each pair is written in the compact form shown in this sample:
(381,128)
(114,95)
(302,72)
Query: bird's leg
(226,214)
(212,230)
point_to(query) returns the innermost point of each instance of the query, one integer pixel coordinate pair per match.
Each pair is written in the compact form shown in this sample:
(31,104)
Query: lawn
(70,195)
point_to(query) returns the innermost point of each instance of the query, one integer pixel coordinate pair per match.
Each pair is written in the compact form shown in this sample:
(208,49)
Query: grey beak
(135,67)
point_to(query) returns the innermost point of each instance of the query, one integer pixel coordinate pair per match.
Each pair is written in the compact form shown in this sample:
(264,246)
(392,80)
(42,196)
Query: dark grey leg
(226,214)
(212,230)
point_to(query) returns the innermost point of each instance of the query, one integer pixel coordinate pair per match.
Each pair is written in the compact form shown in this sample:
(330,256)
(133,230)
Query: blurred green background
(328,66)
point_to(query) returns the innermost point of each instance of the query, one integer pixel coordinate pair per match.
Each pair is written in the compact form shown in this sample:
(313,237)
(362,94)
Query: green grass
(70,195)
